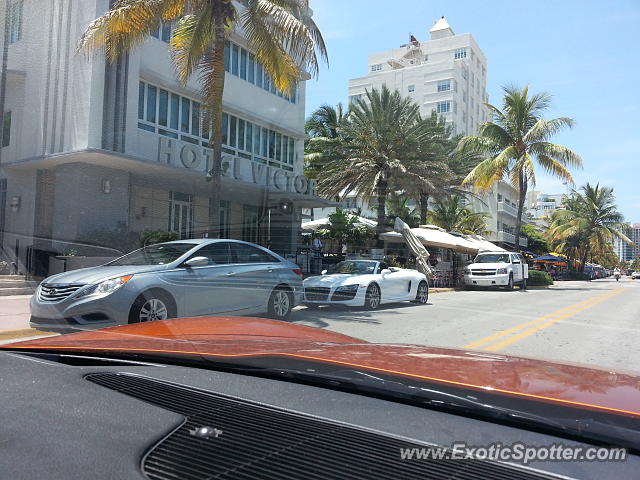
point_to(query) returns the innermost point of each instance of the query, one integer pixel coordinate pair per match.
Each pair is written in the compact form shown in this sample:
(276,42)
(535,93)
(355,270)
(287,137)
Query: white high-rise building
(540,205)
(446,74)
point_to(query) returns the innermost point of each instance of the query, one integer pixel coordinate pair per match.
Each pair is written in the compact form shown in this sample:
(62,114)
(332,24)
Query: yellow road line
(21,333)
(537,328)
(508,331)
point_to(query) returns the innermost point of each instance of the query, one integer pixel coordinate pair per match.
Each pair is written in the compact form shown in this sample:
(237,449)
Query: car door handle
(230,274)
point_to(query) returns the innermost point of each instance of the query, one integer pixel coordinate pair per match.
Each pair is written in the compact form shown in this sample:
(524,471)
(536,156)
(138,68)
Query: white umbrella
(433,236)
(314,225)
(415,245)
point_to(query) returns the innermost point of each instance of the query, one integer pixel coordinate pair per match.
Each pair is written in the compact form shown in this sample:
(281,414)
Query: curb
(440,290)
(22,332)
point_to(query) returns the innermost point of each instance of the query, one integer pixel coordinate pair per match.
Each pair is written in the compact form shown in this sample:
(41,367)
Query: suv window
(217,253)
(247,254)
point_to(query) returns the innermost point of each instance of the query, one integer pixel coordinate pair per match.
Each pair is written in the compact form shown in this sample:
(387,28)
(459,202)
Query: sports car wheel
(423,293)
(372,297)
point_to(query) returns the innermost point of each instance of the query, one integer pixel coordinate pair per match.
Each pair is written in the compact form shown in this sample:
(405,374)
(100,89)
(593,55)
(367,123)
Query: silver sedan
(175,279)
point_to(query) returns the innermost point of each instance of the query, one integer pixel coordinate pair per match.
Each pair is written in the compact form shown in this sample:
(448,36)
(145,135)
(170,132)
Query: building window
(412,88)
(181,214)
(6,129)
(465,73)
(444,85)
(376,68)
(175,116)
(250,223)
(163,31)
(224,218)
(473,78)
(241,63)
(15,21)
(460,53)
(443,107)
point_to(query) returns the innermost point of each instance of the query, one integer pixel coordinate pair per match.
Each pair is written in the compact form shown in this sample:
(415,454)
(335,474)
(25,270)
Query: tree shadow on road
(321,316)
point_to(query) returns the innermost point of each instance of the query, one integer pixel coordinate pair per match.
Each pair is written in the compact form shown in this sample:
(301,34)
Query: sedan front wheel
(151,306)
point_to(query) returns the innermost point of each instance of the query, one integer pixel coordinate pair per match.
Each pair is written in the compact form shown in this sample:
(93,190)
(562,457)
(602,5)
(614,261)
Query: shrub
(536,277)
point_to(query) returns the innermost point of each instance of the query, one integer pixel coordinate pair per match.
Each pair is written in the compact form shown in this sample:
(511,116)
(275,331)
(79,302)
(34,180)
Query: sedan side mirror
(385,271)
(323,272)
(197,262)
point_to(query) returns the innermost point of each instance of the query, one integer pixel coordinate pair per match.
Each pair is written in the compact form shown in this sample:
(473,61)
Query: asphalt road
(596,322)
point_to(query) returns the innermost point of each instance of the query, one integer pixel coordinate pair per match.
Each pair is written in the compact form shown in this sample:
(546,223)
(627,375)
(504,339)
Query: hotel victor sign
(197,158)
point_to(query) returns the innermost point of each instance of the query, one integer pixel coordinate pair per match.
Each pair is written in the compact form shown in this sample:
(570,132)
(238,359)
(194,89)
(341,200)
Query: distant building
(446,74)
(540,205)
(625,251)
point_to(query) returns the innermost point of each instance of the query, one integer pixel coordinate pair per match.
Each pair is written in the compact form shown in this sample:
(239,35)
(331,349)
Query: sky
(584,53)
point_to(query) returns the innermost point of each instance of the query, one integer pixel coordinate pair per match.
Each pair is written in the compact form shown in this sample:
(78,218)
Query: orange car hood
(218,338)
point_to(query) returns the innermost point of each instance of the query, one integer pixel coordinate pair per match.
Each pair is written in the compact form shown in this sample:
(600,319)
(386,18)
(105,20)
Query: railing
(507,208)
(511,238)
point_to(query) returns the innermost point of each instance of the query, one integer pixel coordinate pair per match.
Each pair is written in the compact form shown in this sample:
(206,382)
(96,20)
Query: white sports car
(365,283)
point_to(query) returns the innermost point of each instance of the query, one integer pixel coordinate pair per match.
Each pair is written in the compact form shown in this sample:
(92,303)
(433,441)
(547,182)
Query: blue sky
(585,53)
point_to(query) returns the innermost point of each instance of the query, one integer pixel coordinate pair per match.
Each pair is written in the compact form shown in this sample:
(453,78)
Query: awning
(481,244)
(550,258)
(322,222)
(433,236)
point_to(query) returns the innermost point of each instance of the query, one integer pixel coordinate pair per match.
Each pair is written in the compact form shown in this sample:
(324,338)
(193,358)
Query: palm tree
(398,206)
(588,224)
(282,34)
(510,143)
(383,143)
(452,214)
(324,128)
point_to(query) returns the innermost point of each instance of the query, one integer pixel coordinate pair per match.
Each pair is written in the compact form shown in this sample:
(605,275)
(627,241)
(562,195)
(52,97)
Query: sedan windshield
(154,254)
(352,267)
(493,258)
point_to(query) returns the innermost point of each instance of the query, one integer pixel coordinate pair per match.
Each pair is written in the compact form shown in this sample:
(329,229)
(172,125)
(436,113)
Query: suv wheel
(510,284)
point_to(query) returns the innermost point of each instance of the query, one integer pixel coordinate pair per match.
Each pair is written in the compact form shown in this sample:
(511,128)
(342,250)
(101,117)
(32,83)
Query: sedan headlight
(501,271)
(348,288)
(106,287)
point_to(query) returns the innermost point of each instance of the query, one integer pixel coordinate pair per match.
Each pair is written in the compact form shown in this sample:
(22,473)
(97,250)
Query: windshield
(154,255)
(354,172)
(492,258)
(352,267)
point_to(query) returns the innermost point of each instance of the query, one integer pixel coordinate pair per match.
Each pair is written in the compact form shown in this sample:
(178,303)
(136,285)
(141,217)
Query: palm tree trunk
(522,195)
(424,206)
(381,191)
(215,110)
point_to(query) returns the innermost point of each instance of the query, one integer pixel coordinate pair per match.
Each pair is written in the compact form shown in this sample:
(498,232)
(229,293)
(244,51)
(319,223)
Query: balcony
(507,208)
(511,238)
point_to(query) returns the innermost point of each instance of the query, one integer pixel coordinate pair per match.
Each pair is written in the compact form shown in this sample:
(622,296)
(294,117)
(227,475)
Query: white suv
(497,269)
(635,275)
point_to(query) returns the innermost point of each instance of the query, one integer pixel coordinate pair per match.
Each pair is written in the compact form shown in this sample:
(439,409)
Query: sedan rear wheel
(280,303)
(372,297)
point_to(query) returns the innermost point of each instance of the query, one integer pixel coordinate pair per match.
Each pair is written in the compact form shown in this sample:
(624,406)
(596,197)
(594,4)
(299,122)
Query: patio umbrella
(323,222)
(415,246)
(550,258)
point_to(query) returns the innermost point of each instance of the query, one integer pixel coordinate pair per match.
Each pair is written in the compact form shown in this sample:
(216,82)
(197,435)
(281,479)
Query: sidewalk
(14,312)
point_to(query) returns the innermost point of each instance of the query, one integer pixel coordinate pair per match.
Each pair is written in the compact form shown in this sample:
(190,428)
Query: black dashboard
(82,417)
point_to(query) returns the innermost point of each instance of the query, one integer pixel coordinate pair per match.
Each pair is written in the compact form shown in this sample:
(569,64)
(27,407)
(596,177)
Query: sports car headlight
(501,271)
(348,288)
(106,287)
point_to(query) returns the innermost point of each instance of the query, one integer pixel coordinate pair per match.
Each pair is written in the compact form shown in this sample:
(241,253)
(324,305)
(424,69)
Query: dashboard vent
(227,438)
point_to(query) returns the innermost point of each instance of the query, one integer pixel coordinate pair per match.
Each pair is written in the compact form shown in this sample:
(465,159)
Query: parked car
(635,275)
(365,283)
(174,279)
(497,269)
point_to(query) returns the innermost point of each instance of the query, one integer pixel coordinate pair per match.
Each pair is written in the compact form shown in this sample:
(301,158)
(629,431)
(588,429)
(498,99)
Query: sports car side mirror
(385,271)
(323,272)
